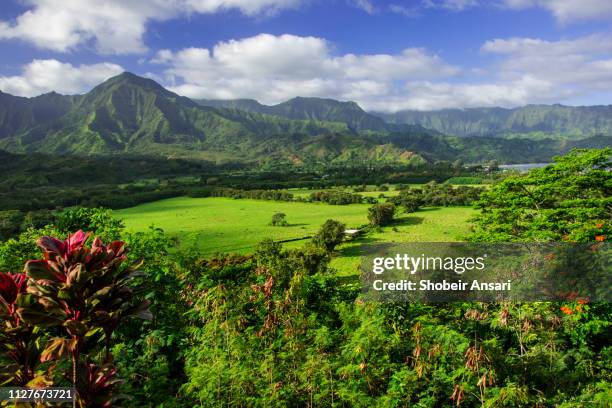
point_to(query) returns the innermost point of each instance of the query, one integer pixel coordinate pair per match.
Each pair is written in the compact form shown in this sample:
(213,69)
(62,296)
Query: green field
(433,224)
(226,225)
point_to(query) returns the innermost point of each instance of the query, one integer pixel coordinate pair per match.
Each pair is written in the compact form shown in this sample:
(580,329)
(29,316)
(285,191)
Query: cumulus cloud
(565,11)
(275,68)
(41,76)
(113,26)
(576,66)
(568,11)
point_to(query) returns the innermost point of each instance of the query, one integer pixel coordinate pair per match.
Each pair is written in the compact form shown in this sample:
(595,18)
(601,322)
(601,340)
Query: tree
(569,200)
(279,220)
(381,214)
(10,223)
(329,235)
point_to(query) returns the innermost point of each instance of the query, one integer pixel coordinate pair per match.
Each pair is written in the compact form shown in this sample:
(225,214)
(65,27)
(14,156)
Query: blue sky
(386,55)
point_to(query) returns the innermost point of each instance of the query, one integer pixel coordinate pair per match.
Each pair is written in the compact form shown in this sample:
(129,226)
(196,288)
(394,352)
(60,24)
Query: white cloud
(565,11)
(456,5)
(568,11)
(113,26)
(275,68)
(365,5)
(41,76)
(578,66)
(427,95)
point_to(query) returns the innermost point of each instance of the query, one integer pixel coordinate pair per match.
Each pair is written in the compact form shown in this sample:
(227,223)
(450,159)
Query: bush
(10,223)
(330,234)
(279,220)
(381,214)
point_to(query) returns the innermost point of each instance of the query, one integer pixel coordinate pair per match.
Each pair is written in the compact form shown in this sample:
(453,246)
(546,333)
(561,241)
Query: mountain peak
(128,78)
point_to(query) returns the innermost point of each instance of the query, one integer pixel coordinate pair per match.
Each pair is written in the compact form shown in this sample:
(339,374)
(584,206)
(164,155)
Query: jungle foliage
(280,328)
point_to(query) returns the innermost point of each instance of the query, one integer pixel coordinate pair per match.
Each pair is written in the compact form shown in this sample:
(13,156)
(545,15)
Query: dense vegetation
(434,195)
(278,327)
(537,121)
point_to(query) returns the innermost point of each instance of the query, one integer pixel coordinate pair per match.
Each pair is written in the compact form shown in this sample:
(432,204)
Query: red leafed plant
(19,348)
(85,292)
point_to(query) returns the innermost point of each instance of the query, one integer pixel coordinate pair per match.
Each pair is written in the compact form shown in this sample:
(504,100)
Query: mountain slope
(532,120)
(18,114)
(318,109)
(133,114)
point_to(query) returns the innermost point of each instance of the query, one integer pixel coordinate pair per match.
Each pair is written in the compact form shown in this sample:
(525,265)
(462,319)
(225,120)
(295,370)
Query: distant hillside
(300,108)
(17,114)
(128,114)
(535,121)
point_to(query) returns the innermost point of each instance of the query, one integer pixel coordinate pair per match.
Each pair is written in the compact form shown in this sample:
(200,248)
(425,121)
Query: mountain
(18,113)
(535,121)
(318,109)
(128,114)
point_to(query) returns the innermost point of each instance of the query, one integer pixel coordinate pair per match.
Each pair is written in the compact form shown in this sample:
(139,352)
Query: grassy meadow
(431,224)
(226,225)
(229,225)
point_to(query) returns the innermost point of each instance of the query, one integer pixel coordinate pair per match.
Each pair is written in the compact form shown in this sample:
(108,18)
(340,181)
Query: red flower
(600,238)
(566,310)
(599,225)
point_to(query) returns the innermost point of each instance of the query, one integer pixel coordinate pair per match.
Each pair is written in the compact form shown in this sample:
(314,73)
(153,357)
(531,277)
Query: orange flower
(579,308)
(600,238)
(583,301)
(566,310)
(599,225)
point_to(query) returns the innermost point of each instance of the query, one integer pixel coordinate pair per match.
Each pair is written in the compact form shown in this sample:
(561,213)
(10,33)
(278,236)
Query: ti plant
(19,341)
(79,294)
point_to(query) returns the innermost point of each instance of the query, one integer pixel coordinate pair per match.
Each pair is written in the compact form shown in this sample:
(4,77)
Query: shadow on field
(427,209)
(408,221)
(355,250)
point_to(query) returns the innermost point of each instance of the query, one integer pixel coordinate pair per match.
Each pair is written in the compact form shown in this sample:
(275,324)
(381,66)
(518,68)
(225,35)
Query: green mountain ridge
(128,114)
(534,121)
(301,108)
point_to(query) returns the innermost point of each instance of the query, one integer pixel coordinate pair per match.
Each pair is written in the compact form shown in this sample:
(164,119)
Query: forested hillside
(567,122)
(128,114)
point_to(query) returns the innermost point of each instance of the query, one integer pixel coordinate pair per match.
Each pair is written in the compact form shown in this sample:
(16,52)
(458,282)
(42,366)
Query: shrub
(381,214)
(330,235)
(279,220)
(79,295)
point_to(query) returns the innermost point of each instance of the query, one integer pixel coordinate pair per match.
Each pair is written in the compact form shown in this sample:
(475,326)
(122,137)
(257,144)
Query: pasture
(223,225)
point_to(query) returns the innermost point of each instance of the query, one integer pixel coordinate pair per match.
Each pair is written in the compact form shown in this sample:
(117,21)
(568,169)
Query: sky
(386,55)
